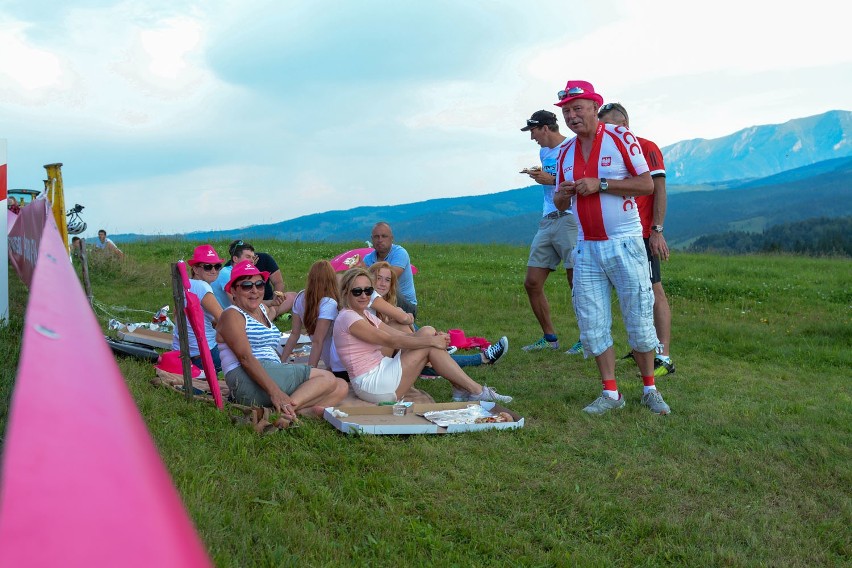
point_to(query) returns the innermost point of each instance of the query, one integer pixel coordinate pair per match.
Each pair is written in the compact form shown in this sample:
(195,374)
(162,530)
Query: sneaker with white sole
(460,395)
(576,349)
(663,368)
(604,404)
(655,403)
(497,350)
(490,395)
(541,345)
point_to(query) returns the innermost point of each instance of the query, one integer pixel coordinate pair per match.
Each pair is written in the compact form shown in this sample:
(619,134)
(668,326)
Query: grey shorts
(553,243)
(245,391)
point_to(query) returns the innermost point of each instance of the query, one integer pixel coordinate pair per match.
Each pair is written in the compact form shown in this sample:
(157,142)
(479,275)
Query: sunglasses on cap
(259,284)
(573,91)
(209,267)
(358,291)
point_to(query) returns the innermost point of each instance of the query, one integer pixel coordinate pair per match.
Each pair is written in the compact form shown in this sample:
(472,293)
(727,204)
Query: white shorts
(380,384)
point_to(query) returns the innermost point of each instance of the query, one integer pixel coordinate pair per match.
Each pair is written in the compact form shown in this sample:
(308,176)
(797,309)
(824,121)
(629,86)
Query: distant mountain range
(760,151)
(781,173)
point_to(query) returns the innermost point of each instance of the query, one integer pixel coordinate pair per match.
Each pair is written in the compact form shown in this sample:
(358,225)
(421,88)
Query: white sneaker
(460,395)
(489,394)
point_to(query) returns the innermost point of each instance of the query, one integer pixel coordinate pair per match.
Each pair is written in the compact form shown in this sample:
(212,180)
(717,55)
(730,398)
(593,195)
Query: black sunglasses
(247,285)
(358,291)
(209,267)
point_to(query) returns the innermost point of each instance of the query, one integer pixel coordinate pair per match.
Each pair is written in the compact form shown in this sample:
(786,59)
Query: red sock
(609,385)
(649,383)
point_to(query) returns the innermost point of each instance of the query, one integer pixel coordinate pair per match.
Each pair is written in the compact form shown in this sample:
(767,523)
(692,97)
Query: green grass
(751,468)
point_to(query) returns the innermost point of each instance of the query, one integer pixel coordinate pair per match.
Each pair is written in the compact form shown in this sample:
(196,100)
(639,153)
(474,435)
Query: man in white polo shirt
(602,170)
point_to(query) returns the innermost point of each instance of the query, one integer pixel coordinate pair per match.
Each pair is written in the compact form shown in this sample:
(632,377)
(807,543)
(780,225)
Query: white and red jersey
(658,169)
(615,154)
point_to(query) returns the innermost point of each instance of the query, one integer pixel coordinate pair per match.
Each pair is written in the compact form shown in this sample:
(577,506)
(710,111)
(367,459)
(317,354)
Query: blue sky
(174,116)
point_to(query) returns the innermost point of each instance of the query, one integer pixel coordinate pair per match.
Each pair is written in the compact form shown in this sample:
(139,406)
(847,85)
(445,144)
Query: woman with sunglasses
(382,361)
(249,343)
(315,310)
(204,268)
(383,305)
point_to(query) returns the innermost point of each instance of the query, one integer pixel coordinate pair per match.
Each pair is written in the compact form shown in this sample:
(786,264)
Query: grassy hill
(751,468)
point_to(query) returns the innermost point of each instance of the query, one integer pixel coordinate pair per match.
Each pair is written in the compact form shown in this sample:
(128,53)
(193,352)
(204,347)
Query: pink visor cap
(243,269)
(578,90)
(204,254)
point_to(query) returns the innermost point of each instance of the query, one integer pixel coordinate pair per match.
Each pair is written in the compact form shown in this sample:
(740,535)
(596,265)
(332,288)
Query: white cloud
(135,83)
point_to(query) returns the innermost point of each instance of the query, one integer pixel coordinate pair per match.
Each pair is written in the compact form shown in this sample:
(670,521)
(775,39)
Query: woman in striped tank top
(249,346)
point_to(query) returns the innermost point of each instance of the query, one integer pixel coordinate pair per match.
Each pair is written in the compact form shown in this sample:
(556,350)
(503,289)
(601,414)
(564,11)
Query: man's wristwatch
(657,228)
(604,185)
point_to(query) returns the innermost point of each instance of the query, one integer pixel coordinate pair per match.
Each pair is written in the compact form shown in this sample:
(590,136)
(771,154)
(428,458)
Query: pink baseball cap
(204,254)
(170,362)
(242,269)
(578,90)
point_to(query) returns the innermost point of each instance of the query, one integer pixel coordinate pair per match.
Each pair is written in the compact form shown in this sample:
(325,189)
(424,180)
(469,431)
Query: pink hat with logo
(243,269)
(204,254)
(170,362)
(578,90)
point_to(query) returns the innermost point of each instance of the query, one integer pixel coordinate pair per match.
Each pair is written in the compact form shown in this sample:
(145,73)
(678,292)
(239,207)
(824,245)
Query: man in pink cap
(602,170)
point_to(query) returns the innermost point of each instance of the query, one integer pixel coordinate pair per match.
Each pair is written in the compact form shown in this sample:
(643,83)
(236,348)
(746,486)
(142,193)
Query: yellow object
(56,195)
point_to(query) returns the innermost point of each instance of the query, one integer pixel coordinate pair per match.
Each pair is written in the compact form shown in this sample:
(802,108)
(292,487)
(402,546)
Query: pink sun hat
(242,269)
(170,362)
(578,90)
(204,254)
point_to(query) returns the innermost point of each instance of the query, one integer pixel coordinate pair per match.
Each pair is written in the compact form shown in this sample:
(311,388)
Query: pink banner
(10,220)
(3,177)
(195,316)
(82,482)
(25,236)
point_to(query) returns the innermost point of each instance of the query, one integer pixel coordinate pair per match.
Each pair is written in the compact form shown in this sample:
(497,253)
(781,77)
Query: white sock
(611,394)
(646,390)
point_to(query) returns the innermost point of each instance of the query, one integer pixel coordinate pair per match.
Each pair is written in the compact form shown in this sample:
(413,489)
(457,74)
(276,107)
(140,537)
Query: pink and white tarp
(25,237)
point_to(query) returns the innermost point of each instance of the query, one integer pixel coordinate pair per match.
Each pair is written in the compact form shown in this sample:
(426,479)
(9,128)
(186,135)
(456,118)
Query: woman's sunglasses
(209,267)
(259,284)
(358,291)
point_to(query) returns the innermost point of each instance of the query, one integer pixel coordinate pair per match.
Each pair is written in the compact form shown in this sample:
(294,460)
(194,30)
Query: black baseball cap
(540,118)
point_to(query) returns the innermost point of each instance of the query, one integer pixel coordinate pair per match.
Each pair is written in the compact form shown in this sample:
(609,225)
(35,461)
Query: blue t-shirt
(548,157)
(219,286)
(398,256)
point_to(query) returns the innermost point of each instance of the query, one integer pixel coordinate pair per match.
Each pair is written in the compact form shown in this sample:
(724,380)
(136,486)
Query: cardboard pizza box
(381,420)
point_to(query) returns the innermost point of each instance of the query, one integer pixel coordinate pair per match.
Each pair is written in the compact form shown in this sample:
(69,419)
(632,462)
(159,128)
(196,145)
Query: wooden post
(180,321)
(84,268)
